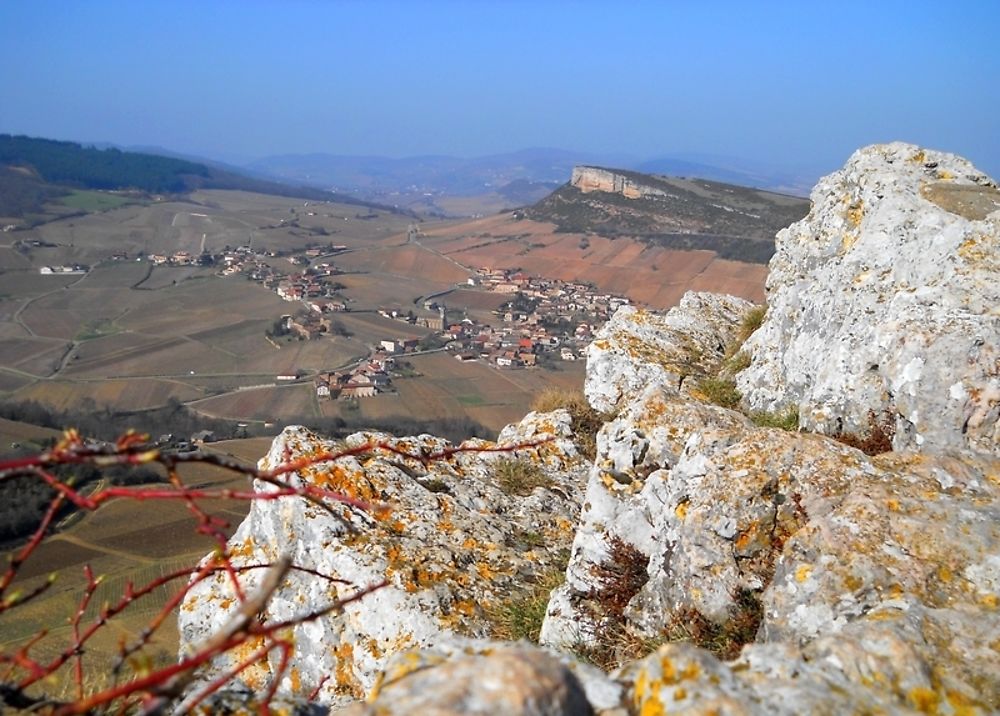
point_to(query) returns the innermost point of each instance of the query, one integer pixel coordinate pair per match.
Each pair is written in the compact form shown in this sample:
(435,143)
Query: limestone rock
(476,679)
(637,348)
(814,545)
(452,543)
(885,300)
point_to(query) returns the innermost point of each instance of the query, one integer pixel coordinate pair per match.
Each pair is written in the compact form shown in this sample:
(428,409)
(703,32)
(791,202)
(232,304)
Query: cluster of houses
(178,258)
(549,298)
(544,316)
(68,269)
(367,380)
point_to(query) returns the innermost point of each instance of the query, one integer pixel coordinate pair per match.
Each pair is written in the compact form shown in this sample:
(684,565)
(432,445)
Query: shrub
(724,640)
(616,580)
(519,476)
(720,391)
(881,431)
(586,421)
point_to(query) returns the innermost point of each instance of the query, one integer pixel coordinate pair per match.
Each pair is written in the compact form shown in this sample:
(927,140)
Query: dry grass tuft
(586,420)
(521,616)
(788,420)
(720,391)
(753,320)
(519,477)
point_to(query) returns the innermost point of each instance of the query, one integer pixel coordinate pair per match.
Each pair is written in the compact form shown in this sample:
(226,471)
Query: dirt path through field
(121,554)
(24,306)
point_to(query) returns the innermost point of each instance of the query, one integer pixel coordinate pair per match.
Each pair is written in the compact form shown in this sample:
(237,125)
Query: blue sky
(787,83)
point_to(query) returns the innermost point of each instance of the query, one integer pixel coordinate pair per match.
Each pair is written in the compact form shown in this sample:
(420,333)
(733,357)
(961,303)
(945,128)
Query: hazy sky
(793,83)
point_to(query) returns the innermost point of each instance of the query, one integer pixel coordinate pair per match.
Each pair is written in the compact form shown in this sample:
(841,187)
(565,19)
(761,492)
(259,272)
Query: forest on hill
(35,170)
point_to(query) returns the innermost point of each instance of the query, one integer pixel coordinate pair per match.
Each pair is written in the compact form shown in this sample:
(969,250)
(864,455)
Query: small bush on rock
(725,640)
(519,477)
(586,420)
(616,580)
(881,430)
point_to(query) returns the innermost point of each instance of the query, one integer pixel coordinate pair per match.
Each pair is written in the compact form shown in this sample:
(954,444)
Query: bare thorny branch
(169,689)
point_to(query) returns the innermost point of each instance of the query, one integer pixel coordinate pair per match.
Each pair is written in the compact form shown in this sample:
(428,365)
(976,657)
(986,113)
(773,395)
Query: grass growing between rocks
(586,421)
(719,391)
(521,616)
(619,578)
(616,580)
(519,477)
(787,420)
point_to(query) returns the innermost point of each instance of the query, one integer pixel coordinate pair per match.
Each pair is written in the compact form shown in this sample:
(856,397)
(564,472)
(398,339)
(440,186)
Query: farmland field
(125,541)
(447,388)
(92,200)
(649,274)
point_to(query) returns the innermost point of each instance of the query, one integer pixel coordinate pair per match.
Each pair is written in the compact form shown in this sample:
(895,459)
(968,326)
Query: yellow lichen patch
(243,549)
(652,706)
(691,671)
(257,675)
(893,504)
(485,571)
(853,582)
(855,213)
(802,573)
(344,679)
(680,694)
(989,600)
(682,509)
(944,574)
(924,700)
(296,679)
(668,669)
(848,240)
(918,157)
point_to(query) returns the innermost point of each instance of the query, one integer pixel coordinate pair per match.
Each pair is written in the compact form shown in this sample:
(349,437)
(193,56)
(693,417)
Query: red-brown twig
(161,688)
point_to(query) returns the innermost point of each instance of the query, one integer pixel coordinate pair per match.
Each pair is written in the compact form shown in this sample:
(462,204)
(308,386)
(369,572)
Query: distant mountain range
(430,185)
(381,178)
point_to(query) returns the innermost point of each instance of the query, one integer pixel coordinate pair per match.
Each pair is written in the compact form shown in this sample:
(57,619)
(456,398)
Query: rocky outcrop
(476,679)
(637,348)
(818,579)
(883,304)
(588,179)
(454,542)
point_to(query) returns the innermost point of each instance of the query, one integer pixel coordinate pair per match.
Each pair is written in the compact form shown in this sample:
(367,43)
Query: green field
(92,200)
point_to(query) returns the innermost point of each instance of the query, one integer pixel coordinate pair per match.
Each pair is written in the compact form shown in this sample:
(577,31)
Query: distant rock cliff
(588,179)
(736,222)
(823,579)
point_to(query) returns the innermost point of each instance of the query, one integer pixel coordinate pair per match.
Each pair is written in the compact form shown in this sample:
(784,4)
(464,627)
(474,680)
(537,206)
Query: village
(543,321)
